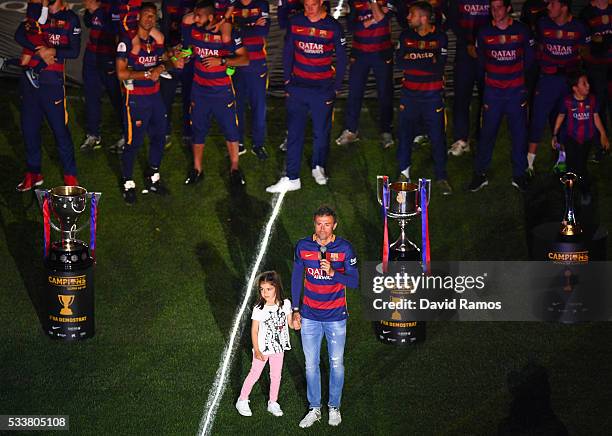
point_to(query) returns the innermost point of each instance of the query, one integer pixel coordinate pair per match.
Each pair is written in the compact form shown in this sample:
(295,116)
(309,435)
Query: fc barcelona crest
(559,34)
(605,19)
(245,13)
(323,33)
(502,39)
(312,31)
(422,45)
(333,257)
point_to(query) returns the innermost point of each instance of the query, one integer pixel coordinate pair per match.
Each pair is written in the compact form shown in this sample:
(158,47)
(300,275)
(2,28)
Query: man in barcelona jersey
(323,266)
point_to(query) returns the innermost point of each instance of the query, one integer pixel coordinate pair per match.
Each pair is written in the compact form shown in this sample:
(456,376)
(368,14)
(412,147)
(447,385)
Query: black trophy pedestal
(70,292)
(548,244)
(397,331)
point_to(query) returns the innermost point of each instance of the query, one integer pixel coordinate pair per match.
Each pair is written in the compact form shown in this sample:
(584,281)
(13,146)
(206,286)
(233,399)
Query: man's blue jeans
(312,336)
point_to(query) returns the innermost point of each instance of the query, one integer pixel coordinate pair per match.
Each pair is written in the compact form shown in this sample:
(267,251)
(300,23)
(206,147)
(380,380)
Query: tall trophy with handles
(402,202)
(69,262)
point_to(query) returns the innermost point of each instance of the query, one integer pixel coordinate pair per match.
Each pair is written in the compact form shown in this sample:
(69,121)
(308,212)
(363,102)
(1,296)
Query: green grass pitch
(171,271)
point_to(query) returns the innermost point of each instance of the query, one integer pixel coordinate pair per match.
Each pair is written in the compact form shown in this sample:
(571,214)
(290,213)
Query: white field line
(218,387)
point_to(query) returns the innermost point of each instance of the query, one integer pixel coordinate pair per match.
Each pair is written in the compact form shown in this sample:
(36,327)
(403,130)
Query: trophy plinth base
(70,292)
(549,244)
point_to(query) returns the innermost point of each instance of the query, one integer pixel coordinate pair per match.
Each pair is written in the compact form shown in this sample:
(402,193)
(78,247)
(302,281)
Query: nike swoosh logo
(57,102)
(231,104)
(385,332)
(308,255)
(54,328)
(440,109)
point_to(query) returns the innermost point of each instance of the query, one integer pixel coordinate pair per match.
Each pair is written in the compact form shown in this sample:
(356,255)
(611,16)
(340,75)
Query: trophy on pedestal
(69,262)
(403,201)
(569,225)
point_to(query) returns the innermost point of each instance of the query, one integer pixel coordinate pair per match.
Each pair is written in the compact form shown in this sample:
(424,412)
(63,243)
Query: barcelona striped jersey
(101,46)
(309,51)
(324,297)
(466,17)
(579,117)
(213,81)
(599,23)
(253,36)
(558,46)
(505,54)
(62,31)
(149,55)
(422,59)
(374,39)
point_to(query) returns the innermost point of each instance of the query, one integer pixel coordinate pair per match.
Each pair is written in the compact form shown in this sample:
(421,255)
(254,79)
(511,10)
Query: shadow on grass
(531,409)
(22,236)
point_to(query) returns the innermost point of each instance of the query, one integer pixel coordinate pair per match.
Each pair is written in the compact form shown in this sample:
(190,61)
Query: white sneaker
(165,75)
(311,417)
(284,184)
(459,147)
(274,408)
(420,139)
(242,406)
(386,140)
(91,143)
(334,416)
(319,175)
(347,137)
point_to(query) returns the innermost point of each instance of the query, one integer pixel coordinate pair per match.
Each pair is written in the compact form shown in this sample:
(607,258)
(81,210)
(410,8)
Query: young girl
(270,336)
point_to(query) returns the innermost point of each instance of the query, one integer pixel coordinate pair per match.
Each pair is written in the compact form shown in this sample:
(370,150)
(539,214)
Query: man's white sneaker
(311,417)
(91,143)
(284,184)
(347,137)
(319,175)
(242,406)
(459,147)
(334,416)
(274,408)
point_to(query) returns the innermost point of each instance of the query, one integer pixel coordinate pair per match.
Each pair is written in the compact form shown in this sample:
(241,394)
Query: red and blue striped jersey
(579,118)
(422,59)
(214,80)
(172,17)
(148,56)
(128,11)
(466,17)
(33,30)
(286,9)
(375,38)
(324,297)
(558,46)
(504,55)
(101,46)
(309,51)
(599,24)
(62,31)
(253,36)
(402,8)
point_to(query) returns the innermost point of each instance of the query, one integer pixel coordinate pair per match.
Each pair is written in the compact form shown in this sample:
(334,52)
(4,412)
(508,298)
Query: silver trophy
(404,204)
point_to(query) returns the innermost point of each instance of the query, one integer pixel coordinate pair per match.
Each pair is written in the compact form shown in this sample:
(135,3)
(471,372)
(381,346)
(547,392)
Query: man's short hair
(567,3)
(205,4)
(325,211)
(506,2)
(148,5)
(424,7)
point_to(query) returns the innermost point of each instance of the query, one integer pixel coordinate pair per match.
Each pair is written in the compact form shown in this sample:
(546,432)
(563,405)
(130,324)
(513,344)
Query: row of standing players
(494,54)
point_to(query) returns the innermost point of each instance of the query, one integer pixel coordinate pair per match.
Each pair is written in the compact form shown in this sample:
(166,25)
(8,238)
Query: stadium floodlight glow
(216,392)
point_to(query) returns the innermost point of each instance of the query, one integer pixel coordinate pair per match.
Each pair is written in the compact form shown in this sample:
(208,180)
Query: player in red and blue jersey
(372,49)
(560,40)
(173,12)
(324,265)
(401,8)
(505,51)
(252,18)
(62,36)
(212,94)
(99,73)
(598,18)
(465,18)
(286,9)
(140,60)
(311,84)
(575,129)
(421,55)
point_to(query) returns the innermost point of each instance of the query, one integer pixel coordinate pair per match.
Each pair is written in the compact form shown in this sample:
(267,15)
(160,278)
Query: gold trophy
(66,301)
